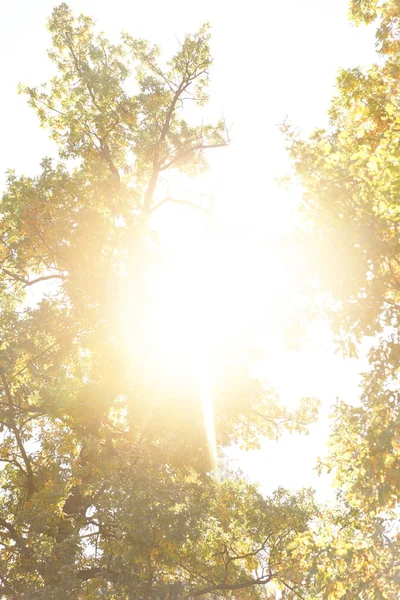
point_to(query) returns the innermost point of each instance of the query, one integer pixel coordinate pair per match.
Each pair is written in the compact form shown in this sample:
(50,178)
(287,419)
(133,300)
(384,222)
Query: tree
(107,490)
(350,174)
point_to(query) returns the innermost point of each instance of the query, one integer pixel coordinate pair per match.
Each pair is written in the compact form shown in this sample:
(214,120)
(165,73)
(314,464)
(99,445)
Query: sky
(272,61)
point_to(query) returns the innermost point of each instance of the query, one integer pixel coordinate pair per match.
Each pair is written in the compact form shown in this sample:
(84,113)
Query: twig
(183,202)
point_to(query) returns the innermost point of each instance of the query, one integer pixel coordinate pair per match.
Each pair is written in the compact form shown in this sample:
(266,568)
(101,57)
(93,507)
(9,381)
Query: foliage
(107,488)
(350,174)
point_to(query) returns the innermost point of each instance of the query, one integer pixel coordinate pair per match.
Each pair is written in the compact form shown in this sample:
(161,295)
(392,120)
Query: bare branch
(28,282)
(189,151)
(230,586)
(183,202)
(156,167)
(289,587)
(48,106)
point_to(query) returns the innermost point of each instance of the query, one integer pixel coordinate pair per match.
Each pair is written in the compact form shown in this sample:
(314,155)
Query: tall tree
(350,173)
(107,489)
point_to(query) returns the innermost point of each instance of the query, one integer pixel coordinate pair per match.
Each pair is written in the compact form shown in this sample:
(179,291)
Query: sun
(214,292)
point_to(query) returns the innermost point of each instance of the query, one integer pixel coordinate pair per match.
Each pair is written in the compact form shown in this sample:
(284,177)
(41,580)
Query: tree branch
(183,202)
(156,167)
(289,587)
(189,151)
(28,282)
(104,149)
(89,573)
(14,429)
(14,535)
(229,586)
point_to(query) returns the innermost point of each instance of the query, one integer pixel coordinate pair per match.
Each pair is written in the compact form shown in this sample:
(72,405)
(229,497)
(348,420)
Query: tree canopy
(108,487)
(350,237)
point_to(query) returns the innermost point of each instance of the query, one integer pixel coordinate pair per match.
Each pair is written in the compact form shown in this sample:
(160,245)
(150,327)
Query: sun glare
(215,292)
(208,414)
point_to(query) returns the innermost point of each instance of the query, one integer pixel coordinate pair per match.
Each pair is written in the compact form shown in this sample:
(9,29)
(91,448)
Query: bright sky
(272,60)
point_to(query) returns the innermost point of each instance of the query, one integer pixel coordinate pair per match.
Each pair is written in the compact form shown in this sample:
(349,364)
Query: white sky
(272,60)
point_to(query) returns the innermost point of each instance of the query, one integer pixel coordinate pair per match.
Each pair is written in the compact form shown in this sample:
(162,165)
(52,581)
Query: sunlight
(216,292)
(185,265)
(218,289)
(208,413)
